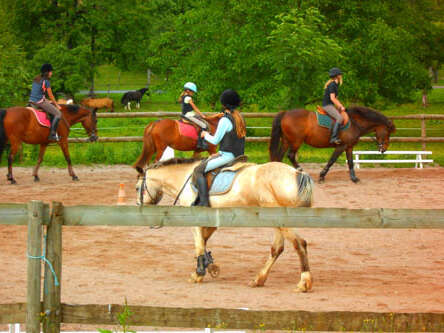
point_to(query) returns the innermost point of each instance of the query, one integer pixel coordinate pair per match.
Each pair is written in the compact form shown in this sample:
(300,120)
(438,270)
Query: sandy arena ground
(360,270)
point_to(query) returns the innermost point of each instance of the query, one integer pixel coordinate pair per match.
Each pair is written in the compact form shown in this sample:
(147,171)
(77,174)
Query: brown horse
(292,128)
(19,124)
(163,133)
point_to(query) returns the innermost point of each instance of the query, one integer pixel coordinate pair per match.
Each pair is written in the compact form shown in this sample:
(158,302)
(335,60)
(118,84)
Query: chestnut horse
(272,184)
(19,124)
(292,128)
(163,133)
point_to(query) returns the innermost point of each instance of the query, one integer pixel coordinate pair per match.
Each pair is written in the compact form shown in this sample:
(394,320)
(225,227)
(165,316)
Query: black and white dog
(133,96)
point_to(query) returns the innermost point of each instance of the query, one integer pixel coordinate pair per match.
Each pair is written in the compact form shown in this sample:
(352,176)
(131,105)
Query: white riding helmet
(190,86)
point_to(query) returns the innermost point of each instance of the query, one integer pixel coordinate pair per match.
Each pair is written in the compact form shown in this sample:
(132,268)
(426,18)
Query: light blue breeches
(222,159)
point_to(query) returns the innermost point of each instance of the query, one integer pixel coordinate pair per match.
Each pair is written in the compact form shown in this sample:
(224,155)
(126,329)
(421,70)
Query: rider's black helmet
(46,68)
(334,72)
(230,99)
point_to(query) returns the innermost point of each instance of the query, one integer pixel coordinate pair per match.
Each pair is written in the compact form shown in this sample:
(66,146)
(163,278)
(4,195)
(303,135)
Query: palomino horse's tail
(3,138)
(305,188)
(147,150)
(275,148)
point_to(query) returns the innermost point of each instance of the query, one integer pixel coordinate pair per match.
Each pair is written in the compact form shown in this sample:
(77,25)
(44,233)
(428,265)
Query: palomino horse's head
(369,120)
(87,117)
(148,190)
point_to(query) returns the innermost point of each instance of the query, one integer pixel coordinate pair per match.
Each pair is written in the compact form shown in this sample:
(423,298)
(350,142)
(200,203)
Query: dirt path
(361,270)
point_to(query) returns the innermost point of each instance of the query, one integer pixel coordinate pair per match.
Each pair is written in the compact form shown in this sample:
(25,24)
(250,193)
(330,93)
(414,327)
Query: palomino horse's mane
(173,161)
(370,114)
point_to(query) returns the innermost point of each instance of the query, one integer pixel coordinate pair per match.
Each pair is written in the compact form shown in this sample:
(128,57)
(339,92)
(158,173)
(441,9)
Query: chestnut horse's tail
(275,147)
(3,137)
(147,150)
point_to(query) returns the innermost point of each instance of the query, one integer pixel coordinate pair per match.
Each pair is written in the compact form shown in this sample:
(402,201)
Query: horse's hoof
(355,180)
(306,282)
(214,270)
(321,180)
(195,278)
(36,179)
(13,182)
(75,178)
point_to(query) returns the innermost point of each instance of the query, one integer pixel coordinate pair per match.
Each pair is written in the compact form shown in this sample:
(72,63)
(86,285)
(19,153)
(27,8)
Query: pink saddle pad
(41,117)
(187,130)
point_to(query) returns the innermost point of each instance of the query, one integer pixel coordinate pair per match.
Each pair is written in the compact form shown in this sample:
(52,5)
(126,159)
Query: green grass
(126,153)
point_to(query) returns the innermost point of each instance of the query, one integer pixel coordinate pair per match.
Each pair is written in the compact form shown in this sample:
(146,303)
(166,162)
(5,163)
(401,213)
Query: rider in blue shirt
(230,134)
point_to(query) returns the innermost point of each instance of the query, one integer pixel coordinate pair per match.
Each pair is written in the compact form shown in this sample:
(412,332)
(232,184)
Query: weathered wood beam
(253,217)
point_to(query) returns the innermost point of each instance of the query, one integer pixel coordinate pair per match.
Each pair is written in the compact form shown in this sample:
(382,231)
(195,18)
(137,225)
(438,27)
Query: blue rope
(43,257)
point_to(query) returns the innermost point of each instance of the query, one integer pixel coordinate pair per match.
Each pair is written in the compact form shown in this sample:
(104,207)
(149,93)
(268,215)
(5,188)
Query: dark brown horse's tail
(147,150)
(3,138)
(275,147)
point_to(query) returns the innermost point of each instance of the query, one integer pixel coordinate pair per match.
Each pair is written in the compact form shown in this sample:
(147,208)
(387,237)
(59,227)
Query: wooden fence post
(52,283)
(33,306)
(423,132)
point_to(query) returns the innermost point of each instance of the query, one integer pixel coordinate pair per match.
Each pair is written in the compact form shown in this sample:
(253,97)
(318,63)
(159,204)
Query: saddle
(221,180)
(42,117)
(325,120)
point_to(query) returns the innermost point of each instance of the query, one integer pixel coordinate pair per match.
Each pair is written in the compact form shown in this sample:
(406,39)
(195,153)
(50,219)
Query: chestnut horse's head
(86,116)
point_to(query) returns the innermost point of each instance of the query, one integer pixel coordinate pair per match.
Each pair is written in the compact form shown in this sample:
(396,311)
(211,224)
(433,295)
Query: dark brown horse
(19,124)
(163,133)
(292,128)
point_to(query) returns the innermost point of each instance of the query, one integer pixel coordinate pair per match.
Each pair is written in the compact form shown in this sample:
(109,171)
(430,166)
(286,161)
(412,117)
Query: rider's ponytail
(241,129)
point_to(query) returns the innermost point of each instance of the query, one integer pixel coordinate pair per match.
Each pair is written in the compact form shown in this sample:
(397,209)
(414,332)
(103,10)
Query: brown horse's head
(87,117)
(383,133)
(369,120)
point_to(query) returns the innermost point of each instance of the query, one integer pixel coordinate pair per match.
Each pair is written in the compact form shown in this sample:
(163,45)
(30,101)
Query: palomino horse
(292,128)
(272,184)
(19,124)
(166,132)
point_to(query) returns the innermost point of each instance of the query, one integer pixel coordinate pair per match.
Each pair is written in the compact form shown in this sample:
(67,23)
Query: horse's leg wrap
(203,261)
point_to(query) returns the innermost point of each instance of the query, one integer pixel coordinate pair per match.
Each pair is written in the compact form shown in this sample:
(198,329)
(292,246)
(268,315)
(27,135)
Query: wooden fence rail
(164,114)
(52,312)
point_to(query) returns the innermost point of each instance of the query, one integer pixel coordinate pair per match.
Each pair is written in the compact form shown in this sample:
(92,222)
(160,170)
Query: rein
(181,190)
(362,130)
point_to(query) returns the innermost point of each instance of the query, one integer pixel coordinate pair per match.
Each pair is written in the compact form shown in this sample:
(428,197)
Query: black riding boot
(53,131)
(334,134)
(201,143)
(202,187)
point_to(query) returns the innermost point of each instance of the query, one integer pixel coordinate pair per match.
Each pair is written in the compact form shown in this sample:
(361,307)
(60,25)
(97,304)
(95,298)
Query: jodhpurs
(196,120)
(333,112)
(48,107)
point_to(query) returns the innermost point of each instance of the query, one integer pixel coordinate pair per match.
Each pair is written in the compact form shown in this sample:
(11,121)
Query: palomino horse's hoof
(75,178)
(36,179)
(195,278)
(306,282)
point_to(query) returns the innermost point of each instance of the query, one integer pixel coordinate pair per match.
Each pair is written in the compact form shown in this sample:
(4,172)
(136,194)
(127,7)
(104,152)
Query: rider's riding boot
(334,134)
(201,143)
(53,131)
(202,187)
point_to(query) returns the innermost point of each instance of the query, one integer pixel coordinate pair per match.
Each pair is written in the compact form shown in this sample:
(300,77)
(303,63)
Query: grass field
(126,153)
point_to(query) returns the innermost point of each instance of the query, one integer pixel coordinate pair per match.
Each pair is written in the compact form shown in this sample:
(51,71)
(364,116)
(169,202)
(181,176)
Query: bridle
(144,187)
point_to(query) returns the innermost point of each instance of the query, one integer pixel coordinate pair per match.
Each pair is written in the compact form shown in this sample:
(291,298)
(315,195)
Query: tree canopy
(275,53)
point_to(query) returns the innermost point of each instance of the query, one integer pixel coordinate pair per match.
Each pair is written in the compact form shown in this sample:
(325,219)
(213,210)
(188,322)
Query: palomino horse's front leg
(349,153)
(39,161)
(338,151)
(204,259)
(64,146)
